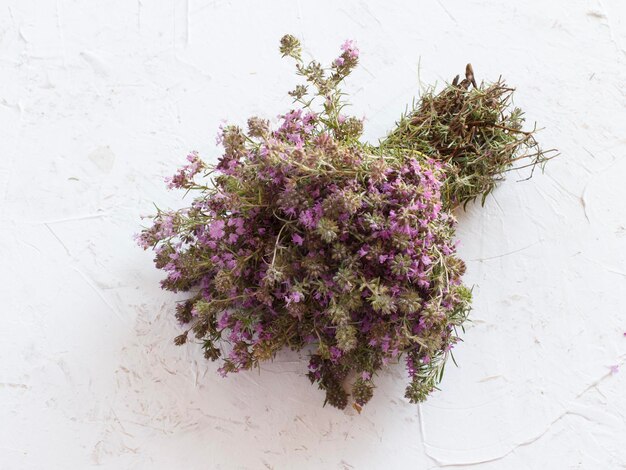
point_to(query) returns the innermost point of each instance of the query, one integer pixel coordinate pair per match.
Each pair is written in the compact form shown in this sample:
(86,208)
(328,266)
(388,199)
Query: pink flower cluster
(309,239)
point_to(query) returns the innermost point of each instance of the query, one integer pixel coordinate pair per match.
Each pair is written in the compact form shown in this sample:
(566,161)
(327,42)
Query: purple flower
(143,241)
(297,239)
(223,321)
(335,353)
(294,297)
(216,229)
(350,48)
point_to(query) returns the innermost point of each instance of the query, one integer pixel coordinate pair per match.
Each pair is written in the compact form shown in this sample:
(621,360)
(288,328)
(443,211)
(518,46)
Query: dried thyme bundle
(304,237)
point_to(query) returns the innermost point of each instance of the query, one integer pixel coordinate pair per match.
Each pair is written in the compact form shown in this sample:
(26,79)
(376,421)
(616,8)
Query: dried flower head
(290,46)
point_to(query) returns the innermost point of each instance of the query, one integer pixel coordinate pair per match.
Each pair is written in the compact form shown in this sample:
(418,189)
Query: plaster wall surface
(99,101)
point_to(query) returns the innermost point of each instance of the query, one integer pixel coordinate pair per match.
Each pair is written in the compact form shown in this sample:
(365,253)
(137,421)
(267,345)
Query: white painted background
(100,100)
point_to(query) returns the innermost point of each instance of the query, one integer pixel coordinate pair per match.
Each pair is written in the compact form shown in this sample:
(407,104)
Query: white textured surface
(100,100)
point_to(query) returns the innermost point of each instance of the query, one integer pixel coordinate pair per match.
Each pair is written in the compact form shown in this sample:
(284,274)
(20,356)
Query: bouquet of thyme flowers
(304,237)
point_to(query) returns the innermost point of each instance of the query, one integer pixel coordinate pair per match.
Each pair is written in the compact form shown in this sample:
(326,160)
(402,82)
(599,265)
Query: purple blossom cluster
(303,237)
